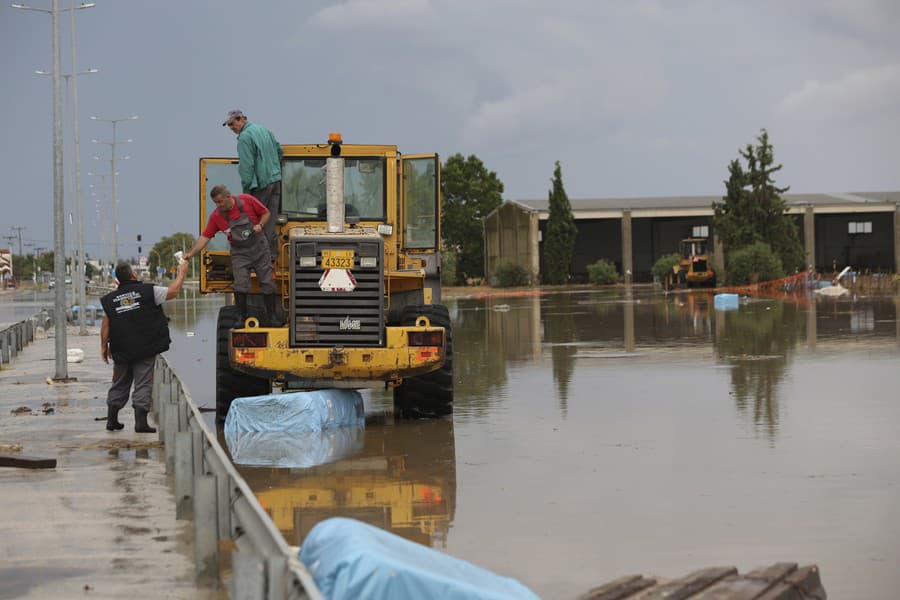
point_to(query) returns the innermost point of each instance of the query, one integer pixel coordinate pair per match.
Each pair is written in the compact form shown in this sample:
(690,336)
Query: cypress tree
(560,243)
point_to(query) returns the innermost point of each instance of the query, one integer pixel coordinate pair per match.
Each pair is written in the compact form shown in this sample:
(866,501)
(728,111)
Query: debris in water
(21,410)
(833,290)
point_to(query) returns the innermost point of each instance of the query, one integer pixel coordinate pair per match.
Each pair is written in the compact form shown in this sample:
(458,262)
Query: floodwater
(604,432)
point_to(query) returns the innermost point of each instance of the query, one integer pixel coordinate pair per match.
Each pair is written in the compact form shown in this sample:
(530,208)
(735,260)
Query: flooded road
(598,433)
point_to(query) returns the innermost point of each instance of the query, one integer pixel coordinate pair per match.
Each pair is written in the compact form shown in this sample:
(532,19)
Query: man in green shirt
(259,165)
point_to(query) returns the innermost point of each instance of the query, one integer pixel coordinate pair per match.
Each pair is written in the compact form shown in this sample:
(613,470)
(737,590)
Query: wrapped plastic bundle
(300,411)
(350,559)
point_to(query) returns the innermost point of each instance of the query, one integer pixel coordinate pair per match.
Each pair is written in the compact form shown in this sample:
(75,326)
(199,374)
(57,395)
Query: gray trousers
(270,197)
(140,372)
(255,256)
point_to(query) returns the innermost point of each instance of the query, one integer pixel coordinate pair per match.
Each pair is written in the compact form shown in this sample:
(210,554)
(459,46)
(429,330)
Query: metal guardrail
(15,337)
(225,512)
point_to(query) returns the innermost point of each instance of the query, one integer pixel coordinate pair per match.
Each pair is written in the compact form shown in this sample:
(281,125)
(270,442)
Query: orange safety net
(793,288)
(791,283)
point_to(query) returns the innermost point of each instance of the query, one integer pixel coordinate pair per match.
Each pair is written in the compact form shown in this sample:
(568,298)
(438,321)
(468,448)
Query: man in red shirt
(242,220)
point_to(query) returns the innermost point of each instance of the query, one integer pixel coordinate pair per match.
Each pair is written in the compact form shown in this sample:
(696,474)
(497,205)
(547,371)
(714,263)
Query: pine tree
(560,243)
(753,210)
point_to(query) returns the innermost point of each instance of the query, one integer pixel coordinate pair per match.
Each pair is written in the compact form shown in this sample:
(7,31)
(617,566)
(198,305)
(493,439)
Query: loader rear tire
(430,395)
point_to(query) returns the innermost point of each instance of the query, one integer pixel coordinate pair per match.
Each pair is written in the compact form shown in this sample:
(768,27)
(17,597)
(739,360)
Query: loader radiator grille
(336,318)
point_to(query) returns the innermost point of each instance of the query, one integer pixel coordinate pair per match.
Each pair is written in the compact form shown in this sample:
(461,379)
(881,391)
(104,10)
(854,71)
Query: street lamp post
(59,236)
(115,201)
(100,221)
(79,210)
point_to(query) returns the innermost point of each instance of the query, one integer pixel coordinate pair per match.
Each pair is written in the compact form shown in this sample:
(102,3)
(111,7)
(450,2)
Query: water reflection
(560,329)
(403,479)
(757,340)
(479,366)
(640,399)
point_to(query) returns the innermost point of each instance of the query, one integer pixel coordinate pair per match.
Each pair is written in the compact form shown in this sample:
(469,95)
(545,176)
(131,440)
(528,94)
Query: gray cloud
(634,98)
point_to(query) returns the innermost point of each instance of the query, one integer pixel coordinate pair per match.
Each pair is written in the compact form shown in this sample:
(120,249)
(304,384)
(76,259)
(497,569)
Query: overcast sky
(634,98)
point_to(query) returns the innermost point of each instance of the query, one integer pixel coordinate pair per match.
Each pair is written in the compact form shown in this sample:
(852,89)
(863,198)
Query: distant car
(10,284)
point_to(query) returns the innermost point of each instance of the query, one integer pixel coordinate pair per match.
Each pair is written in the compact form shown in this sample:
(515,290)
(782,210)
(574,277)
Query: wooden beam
(27,462)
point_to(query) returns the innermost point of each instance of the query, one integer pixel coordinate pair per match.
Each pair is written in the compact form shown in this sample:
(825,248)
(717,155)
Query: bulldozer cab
(399,196)
(692,247)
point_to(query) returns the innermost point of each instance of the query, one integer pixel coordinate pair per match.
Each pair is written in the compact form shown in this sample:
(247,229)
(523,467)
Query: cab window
(420,200)
(303,188)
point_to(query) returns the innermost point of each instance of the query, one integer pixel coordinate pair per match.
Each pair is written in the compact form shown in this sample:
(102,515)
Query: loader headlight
(368,262)
(307,252)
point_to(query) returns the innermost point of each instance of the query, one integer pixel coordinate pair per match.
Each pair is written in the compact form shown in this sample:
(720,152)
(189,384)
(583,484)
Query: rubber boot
(240,301)
(112,419)
(271,316)
(140,421)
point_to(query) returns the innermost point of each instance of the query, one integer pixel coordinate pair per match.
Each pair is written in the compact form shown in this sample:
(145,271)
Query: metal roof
(853,201)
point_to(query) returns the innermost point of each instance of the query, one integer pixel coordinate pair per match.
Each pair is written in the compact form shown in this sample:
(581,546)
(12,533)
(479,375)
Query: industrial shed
(860,229)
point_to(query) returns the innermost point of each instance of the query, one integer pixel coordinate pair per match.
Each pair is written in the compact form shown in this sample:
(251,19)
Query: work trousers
(140,373)
(270,197)
(254,255)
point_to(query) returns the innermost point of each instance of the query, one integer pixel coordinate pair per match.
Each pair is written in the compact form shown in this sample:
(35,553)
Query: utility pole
(78,262)
(79,209)
(115,201)
(59,208)
(18,231)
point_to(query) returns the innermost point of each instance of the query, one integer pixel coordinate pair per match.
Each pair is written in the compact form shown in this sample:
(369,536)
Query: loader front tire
(231,384)
(429,395)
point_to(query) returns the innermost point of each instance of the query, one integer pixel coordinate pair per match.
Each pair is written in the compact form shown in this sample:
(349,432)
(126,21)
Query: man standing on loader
(242,219)
(259,165)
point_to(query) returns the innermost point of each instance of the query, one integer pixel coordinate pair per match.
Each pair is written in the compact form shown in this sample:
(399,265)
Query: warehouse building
(860,230)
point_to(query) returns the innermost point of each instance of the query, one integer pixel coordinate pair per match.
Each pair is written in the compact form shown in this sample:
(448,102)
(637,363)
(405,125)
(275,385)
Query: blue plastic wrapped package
(350,559)
(300,411)
(726,301)
(294,450)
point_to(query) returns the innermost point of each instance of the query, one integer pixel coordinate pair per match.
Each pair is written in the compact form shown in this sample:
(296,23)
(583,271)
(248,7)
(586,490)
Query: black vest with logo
(138,327)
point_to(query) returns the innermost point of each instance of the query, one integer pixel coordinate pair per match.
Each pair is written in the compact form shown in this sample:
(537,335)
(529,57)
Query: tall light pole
(59,235)
(101,221)
(79,210)
(115,201)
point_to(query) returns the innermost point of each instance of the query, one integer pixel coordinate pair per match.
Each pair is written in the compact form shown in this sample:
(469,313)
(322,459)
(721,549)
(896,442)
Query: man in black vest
(135,329)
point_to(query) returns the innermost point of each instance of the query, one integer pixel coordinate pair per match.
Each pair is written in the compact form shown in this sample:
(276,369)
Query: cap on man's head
(231,116)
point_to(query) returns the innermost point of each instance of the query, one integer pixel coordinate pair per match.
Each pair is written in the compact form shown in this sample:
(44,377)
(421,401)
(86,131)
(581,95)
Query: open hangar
(860,230)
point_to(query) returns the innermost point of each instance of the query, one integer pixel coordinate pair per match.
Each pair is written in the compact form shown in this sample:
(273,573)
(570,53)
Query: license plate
(337,259)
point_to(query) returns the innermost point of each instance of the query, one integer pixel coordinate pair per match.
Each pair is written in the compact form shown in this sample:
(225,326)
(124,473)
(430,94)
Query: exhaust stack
(334,194)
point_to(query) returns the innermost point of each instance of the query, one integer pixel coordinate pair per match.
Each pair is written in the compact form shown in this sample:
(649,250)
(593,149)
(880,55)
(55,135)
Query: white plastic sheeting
(350,559)
(726,301)
(297,412)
